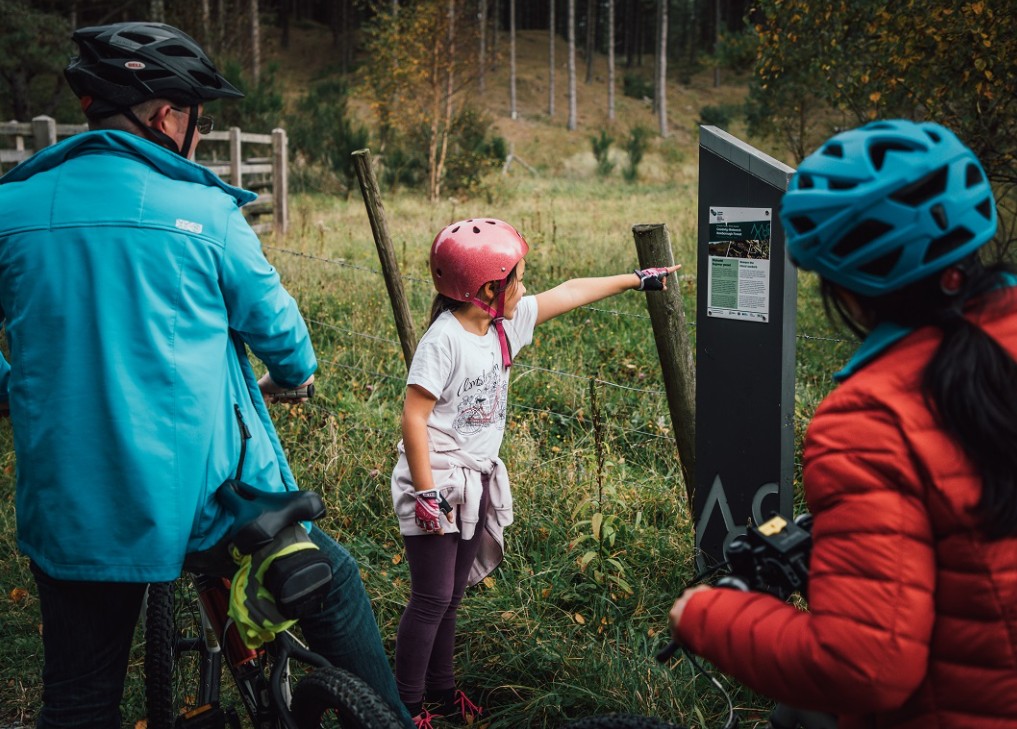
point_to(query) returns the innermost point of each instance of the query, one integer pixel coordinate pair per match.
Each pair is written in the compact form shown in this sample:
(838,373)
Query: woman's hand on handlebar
(274,393)
(675,616)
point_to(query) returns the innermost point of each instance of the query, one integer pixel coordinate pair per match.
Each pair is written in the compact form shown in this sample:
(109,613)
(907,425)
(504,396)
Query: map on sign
(738,285)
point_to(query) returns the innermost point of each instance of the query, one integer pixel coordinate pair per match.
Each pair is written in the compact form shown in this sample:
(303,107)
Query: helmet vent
(834,150)
(985,208)
(802,224)
(882,265)
(177,51)
(945,244)
(917,193)
(805,182)
(842,184)
(153,74)
(476,229)
(939,215)
(140,38)
(933,136)
(859,237)
(973,176)
(877,152)
(204,79)
(455,229)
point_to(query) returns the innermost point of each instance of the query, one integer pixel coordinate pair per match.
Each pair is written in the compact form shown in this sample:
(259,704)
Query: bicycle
(772,557)
(189,637)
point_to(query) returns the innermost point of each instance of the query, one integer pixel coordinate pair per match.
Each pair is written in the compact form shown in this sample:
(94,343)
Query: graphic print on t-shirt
(482,402)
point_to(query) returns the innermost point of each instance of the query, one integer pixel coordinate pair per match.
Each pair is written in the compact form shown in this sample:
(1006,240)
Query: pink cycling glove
(430,506)
(651,279)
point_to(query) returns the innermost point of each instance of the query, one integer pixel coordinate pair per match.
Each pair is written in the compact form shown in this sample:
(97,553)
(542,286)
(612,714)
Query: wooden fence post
(386,252)
(236,158)
(44,131)
(280,181)
(670,332)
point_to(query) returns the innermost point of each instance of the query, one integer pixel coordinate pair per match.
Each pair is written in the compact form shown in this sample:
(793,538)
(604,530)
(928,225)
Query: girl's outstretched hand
(654,279)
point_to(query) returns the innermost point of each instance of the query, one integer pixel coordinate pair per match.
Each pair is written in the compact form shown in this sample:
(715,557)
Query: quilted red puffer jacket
(912,617)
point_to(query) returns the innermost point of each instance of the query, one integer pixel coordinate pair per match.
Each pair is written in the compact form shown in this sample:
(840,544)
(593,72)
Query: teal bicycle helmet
(882,206)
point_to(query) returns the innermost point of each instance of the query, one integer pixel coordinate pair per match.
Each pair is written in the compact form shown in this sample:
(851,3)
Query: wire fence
(638,414)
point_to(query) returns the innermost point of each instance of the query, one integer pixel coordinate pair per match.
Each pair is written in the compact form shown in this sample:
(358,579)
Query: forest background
(573,119)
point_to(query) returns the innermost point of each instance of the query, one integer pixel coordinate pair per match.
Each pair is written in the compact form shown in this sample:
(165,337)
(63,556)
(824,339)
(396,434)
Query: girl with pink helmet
(449,488)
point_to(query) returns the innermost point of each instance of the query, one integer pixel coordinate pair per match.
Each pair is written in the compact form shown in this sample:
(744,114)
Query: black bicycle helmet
(124,64)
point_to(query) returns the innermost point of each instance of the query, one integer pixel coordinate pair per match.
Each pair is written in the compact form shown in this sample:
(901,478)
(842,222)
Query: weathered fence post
(44,131)
(386,252)
(670,332)
(236,158)
(280,181)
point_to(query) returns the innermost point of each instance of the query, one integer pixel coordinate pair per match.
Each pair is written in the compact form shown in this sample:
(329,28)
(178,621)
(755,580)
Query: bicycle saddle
(260,515)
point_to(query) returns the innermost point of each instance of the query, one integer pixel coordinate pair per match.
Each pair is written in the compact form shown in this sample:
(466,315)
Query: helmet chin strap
(164,139)
(497,314)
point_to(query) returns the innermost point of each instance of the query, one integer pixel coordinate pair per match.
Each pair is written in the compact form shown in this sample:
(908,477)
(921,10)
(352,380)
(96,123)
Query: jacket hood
(164,161)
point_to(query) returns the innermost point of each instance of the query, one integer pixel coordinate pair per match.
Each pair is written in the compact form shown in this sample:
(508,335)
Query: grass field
(602,542)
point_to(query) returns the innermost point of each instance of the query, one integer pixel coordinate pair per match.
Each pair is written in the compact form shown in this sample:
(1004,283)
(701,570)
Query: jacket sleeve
(862,646)
(261,311)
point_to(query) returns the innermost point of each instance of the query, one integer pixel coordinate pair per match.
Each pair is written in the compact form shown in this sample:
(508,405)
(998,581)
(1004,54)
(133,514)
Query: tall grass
(602,543)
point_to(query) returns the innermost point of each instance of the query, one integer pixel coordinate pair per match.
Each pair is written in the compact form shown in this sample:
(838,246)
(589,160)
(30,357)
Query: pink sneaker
(423,720)
(463,711)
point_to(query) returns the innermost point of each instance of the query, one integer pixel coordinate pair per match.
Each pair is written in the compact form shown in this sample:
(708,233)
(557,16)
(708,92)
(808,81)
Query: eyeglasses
(204,123)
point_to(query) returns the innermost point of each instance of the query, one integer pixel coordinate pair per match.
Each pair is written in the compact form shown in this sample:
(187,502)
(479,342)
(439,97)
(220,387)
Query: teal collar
(883,337)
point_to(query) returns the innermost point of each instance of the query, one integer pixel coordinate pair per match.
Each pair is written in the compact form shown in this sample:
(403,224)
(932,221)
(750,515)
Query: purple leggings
(439,567)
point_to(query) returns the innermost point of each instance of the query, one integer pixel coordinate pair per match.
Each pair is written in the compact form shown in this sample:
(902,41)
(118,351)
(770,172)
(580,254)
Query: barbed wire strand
(612,312)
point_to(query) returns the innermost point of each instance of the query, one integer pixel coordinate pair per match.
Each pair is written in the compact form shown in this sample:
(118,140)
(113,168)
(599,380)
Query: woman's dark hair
(447,303)
(971,381)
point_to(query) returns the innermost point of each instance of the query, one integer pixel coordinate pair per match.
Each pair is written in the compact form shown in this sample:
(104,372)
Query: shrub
(325,137)
(601,150)
(637,87)
(639,140)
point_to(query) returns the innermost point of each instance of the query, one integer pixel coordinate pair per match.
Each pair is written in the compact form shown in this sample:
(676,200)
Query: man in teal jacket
(131,288)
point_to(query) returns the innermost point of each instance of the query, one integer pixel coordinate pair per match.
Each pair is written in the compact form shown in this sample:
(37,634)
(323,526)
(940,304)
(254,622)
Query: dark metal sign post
(745,344)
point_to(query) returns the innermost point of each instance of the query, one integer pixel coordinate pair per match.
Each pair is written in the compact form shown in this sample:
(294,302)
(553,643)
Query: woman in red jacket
(910,465)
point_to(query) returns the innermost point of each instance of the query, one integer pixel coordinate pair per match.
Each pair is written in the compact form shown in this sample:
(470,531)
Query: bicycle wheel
(333,697)
(620,721)
(174,670)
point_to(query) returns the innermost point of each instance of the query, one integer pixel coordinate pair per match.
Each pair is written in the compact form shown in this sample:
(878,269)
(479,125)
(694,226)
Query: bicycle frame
(261,676)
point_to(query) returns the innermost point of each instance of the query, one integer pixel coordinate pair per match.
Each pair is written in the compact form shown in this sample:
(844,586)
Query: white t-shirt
(464,372)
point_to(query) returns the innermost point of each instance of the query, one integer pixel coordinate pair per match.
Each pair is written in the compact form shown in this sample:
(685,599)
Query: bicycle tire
(173,649)
(334,697)
(620,721)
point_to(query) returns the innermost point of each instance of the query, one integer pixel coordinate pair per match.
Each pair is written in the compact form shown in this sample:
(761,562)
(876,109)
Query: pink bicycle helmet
(467,254)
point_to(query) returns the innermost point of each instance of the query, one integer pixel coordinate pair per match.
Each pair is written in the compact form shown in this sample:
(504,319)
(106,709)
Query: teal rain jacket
(129,284)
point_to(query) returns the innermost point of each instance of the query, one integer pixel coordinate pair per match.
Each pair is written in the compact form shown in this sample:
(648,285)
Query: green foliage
(737,51)
(261,109)
(324,136)
(473,151)
(637,86)
(715,115)
(34,48)
(638,141)
(601,149)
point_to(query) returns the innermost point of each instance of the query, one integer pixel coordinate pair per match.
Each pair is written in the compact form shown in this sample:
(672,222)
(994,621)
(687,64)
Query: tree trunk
(482,51)
(512,60)
(610,60)
(157,11)
(550,61)
(572,66)
(282,18)
(255,42)
(591,37)
(716,42)
(662,70)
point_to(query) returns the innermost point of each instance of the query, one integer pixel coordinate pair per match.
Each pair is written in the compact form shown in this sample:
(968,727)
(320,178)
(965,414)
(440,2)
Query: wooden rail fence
(221,152)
